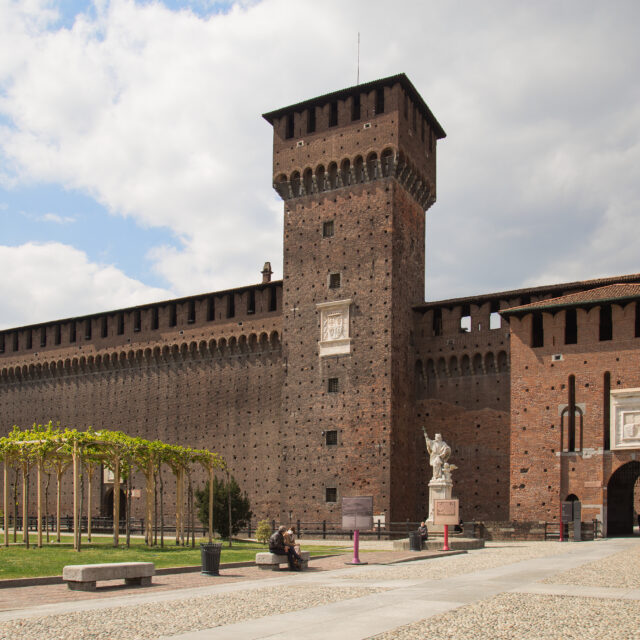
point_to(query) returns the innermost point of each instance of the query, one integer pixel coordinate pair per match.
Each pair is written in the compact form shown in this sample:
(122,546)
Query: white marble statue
(439,452)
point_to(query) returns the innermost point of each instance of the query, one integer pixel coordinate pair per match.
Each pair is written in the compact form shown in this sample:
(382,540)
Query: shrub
(263,532)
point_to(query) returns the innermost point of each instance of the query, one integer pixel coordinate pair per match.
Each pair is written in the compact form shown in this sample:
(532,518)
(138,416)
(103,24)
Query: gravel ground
(620,570)
(143,622)
(514,616)
(495,554)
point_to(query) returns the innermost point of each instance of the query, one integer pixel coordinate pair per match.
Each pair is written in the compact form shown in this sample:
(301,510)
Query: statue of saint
(439,452)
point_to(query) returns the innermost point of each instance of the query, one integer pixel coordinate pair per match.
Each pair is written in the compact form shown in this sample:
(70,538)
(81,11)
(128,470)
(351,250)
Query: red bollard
(561,536)
(356,545)
(446,538)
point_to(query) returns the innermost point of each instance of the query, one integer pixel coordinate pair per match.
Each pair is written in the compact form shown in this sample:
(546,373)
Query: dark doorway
(620,498)
(107,504)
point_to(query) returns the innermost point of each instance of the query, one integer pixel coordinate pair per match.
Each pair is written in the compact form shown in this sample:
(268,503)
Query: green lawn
(18,562)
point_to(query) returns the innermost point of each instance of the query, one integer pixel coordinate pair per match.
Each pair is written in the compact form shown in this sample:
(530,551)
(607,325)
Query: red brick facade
(245,372)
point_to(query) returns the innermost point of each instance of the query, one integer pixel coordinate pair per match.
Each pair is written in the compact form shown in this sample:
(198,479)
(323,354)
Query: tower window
(606,409)
(87,329)
(43,337)
(273,299)
(16,341)
(355,107)
(606,325)
(155,320)
(380,100)
(105,327)
(330,494)
(72,332)
(121,324)
(58,334)
(1,342)
(332,385)
(211,309)
(437,322)
(333,114)
(465,318)
(311,119)
(537,331)
(173,315)
(289,127)
(327,229)
(231,305)
(334,281)
(191,312)
(137,320)
(637,331)
(571,327)
(331,438)
(29,339)
(251,301)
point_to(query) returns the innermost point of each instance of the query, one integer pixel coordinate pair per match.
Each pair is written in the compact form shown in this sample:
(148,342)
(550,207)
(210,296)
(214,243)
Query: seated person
(278,546)
(290,539)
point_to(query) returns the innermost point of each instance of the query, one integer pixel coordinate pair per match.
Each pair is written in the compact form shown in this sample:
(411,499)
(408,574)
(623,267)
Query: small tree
(263,532)
(240,507)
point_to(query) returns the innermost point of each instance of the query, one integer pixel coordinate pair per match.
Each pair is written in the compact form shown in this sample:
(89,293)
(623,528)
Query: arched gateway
(620,499)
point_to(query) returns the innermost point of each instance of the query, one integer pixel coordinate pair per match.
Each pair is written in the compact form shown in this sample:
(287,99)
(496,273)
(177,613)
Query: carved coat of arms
(333,326)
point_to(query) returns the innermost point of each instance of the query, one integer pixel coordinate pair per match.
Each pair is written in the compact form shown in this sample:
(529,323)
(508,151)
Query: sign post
(357,513)
(446,512)
(566,516)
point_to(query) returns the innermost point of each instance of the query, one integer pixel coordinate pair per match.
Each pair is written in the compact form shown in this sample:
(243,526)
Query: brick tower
(357,171)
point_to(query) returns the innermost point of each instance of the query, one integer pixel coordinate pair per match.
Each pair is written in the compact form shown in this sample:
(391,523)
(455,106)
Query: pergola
(53,448)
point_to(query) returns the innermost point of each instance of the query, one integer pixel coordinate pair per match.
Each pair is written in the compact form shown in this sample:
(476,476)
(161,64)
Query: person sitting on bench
(277,545)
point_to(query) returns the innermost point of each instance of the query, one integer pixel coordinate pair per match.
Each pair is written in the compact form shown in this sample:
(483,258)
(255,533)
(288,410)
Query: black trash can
(415,541)
(210,555)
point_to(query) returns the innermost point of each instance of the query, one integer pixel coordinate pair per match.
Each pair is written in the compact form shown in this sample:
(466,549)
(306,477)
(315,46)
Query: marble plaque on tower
(334,328)
(625,419)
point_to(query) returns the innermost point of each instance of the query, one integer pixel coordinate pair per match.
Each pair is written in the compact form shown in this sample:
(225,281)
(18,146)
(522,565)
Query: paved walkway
(509,590)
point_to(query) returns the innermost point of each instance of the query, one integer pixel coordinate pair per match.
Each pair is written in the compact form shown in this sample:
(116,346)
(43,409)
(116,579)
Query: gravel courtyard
(528,590)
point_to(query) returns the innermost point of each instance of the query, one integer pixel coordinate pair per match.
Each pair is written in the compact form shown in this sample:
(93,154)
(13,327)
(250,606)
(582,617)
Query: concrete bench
(267,560)
(83,577)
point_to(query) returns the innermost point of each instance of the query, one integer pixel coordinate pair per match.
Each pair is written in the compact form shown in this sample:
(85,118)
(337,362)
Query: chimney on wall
(266,272)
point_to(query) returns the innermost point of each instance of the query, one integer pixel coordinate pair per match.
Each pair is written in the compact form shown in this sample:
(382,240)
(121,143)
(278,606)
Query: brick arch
(372,166)
(478,364)
(253,341)
(465,365)
(320,177)
(442,368)
(490,362)
(453,366)
(296,183)
(387,158)
(358,169)
(274,338)
(307,181)
(345,172)
(332,175)
(212,345)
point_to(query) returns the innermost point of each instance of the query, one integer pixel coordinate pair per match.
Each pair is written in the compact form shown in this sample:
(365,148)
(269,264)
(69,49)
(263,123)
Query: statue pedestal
(439,489)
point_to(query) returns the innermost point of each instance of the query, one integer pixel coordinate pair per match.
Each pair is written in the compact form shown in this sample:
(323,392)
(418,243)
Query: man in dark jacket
(277,545)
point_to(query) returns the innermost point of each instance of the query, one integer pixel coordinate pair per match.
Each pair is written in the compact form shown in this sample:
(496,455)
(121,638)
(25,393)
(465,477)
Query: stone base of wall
(524,530)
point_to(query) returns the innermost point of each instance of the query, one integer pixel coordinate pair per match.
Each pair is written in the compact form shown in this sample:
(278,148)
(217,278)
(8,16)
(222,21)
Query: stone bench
(83,577)
(268,560)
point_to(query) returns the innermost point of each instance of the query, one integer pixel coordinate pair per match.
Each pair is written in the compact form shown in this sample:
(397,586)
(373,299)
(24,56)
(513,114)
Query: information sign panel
(446,511)
(567,512)
(357,513)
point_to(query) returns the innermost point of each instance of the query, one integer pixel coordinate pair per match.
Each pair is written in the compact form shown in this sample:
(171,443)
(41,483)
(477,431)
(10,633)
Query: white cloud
(57,219)
(157,115)
(48,281)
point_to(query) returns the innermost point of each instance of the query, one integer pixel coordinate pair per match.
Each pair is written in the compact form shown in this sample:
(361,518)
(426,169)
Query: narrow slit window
(465,318)
(29,344)
(355,107)
(137,320)
(121,324)
(334,281)
(327,229)
(289,126)
(331,438)
(311,120)
(87,329)
(537,331)
(191,312)
(58,334)
(333,114)
(273,299)
(173,315)
(1,342)
(437,322)
(571,327)
(380,100)
(105,327)
(72,332)
(231,305)
(155,319)
(606,324)
(16,341)
(333,385)
(251,301)
(43,337)
(211,309)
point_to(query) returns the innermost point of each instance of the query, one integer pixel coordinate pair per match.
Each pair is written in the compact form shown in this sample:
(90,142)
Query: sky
(135,165)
